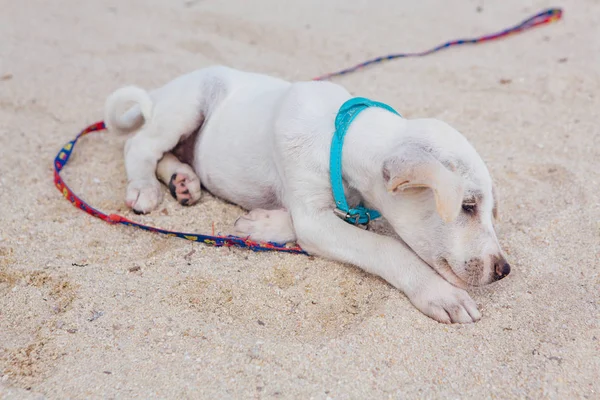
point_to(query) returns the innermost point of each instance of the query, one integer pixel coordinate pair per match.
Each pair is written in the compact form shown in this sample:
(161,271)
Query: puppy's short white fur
(263,143)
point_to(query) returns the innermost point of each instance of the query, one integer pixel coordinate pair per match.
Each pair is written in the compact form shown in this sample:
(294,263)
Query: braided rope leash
(61,159)
(541,18)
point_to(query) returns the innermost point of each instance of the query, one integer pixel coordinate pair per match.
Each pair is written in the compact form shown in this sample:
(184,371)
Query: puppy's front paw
(185,188)
(143,196)
(266,226)
(446,303)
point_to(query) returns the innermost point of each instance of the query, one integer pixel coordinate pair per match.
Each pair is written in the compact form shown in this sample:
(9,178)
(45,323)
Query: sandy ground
(90,310)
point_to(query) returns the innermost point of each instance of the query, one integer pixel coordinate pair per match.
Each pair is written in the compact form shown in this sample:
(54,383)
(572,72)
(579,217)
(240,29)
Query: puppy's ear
(414,167)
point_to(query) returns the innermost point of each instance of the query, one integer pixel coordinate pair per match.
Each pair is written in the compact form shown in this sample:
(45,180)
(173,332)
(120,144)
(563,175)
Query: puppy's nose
(501,268)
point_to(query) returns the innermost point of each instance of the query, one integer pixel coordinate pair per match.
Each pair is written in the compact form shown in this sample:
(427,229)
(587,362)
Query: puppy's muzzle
(501,267)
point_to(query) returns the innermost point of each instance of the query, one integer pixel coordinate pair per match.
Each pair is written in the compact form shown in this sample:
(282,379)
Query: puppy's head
(438,195)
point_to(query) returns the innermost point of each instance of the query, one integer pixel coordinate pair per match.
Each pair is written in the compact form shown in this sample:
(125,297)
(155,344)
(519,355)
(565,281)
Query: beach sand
(92,310)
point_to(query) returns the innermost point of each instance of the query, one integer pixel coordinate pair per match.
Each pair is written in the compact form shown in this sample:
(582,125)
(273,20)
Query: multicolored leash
(544,17)
(61,159)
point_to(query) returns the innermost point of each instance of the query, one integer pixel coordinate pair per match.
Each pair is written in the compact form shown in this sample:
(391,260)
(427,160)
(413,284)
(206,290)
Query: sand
(90,310)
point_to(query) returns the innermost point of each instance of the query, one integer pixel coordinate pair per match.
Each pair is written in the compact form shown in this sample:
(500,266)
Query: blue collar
(348,111)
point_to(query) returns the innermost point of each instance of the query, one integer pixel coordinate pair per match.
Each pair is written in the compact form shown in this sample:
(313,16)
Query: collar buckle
(353,219)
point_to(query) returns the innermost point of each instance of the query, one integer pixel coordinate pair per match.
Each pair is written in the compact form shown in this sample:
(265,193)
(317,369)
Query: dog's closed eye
(469,206)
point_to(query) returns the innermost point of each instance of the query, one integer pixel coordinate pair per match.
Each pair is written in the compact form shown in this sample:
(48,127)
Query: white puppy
(264,144)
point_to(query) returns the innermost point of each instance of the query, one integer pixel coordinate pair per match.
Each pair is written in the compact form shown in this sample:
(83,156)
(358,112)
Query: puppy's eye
(469,207)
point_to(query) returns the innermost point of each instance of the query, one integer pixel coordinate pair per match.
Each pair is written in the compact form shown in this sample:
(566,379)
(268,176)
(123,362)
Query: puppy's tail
(134,117)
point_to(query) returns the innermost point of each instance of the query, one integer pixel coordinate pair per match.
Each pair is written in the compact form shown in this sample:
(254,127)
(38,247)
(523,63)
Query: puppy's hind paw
(185,188)
(143,196)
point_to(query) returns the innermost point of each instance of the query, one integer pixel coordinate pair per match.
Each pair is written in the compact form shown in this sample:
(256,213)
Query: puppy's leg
(142,153)
(144,193)
(161,134)
(322,233)
(180,178)
(266,226)
(179,109)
